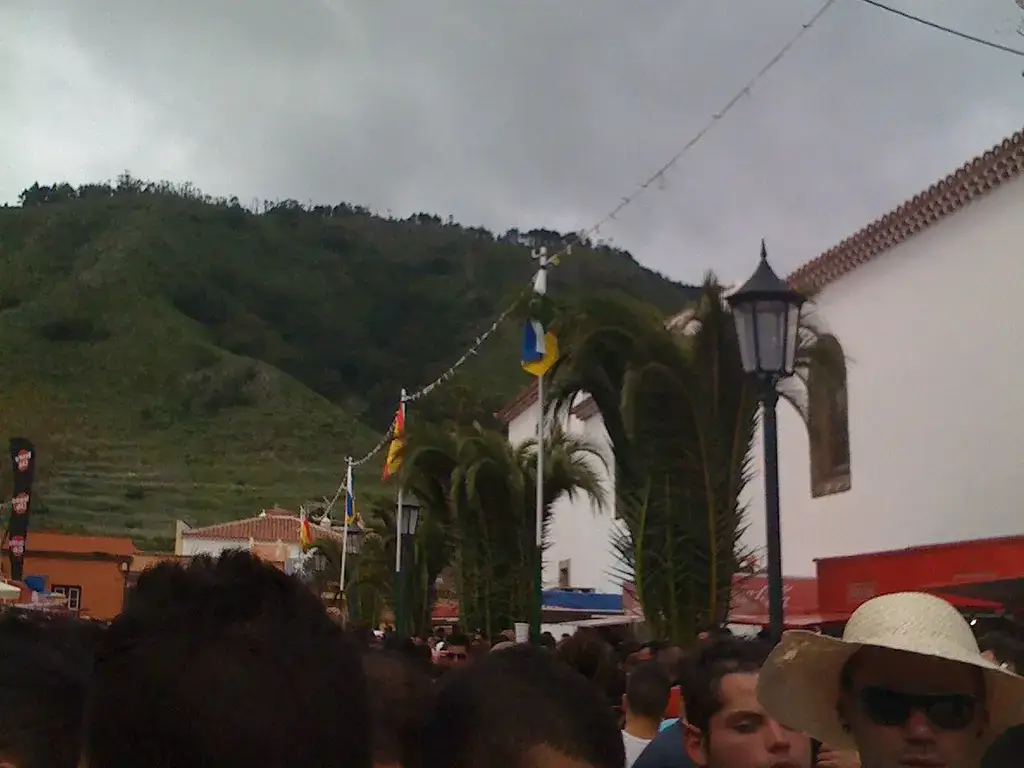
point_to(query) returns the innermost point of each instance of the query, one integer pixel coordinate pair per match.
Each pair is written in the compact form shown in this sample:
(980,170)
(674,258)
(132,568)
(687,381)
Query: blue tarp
(596,602)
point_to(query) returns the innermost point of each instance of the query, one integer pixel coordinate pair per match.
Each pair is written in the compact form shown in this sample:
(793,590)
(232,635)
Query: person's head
(421,655)
(589,654)
(45,666)
(906,684)
(455,652)
(520,708)
(899,706)
(226,662)
(647,690)
(671,658)
(400,693)
(726,726)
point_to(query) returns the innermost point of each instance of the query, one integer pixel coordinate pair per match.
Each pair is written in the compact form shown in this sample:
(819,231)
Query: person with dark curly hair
(226,662)
(520,708)
(45,669)
(400,694)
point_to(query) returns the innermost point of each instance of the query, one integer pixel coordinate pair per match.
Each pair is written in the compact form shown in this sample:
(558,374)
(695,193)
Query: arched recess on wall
(828,420)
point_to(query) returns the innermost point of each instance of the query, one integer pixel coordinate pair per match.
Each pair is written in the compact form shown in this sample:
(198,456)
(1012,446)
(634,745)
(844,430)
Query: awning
(9,591)
(799,602)
(984,575)
(604,621)
(588,602)
(750,602)
(445,611)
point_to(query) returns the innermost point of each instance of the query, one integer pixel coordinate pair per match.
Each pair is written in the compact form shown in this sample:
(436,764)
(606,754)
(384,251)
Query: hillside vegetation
(174,355)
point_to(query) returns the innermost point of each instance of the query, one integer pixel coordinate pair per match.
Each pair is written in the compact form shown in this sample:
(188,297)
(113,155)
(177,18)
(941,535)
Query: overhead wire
(948,30)
(583,236)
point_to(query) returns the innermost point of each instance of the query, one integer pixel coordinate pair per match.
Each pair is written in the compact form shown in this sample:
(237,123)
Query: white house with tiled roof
(925,443)
(273,534)
(580,554)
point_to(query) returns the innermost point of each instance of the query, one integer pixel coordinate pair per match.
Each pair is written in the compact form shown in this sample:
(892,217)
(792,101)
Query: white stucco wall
(934,333)
(195,545)
(579,532)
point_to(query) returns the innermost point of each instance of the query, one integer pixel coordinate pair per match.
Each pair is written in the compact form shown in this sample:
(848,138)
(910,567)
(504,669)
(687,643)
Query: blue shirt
(665,750)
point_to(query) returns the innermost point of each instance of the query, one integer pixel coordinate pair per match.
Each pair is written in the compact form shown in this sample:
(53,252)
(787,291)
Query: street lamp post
(767,314)
(408,523)
(353,547)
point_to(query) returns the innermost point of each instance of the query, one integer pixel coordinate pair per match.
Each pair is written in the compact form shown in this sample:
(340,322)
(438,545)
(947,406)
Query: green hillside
(177,356)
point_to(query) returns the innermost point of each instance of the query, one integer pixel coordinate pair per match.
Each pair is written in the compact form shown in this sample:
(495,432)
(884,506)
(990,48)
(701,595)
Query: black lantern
(408,522)
(354,542)
(410,514)
(767,315)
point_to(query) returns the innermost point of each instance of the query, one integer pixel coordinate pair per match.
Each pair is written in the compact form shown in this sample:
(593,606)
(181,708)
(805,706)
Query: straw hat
(799,683)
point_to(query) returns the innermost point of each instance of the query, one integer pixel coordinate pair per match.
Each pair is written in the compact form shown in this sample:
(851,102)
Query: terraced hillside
(176,356)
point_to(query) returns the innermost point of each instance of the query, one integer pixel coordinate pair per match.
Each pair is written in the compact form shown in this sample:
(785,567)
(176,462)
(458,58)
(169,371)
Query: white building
(581,552)
(926,441)
(274,535)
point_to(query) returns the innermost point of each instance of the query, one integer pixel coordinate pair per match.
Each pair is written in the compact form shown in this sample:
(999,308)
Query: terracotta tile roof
(583,410)
(275,525)
(73,544)
(145,560)
(520,403)
(1003,163)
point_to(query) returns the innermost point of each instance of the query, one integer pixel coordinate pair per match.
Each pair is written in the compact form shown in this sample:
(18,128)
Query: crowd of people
(229,663)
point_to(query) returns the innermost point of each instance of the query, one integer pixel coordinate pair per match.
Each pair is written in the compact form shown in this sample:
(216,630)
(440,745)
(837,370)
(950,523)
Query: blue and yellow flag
(540,349)
(350,500)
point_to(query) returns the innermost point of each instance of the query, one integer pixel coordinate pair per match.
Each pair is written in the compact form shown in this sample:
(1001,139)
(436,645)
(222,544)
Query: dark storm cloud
(534,113)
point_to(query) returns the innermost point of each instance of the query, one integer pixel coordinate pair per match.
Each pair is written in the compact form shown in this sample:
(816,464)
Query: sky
(538,113)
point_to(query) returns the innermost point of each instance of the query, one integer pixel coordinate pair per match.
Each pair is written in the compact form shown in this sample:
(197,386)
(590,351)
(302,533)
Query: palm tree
(484,488)
(681,416)
(370,577)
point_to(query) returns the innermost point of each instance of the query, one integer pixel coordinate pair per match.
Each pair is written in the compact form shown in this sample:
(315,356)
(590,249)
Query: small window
(73,594)
(564,581)
(828,420)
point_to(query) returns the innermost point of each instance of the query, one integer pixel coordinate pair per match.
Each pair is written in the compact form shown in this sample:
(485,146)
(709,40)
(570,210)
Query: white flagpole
(399,586)
(344,535)
(540,287)
(540,461)
(398,511)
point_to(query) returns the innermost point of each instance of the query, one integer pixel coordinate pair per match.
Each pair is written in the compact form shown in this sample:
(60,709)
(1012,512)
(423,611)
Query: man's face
(905,710)
(742,735)
(454,655)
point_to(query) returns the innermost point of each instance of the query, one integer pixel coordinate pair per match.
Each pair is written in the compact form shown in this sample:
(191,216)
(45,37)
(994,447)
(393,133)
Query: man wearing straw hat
(906,686)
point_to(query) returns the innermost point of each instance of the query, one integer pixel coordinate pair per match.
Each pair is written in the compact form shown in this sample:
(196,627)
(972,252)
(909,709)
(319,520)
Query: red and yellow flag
(394,460)
(305,533)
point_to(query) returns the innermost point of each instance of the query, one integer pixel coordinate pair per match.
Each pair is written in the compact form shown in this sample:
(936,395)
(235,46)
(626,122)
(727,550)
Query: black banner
(23,459)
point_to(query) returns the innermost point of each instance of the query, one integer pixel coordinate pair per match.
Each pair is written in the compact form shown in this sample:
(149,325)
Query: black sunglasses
(948,711)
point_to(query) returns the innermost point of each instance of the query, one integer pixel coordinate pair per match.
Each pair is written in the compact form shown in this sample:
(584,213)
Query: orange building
(91,570)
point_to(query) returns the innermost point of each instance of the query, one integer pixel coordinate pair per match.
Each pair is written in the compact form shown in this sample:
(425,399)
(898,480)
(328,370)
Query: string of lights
(584,236)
